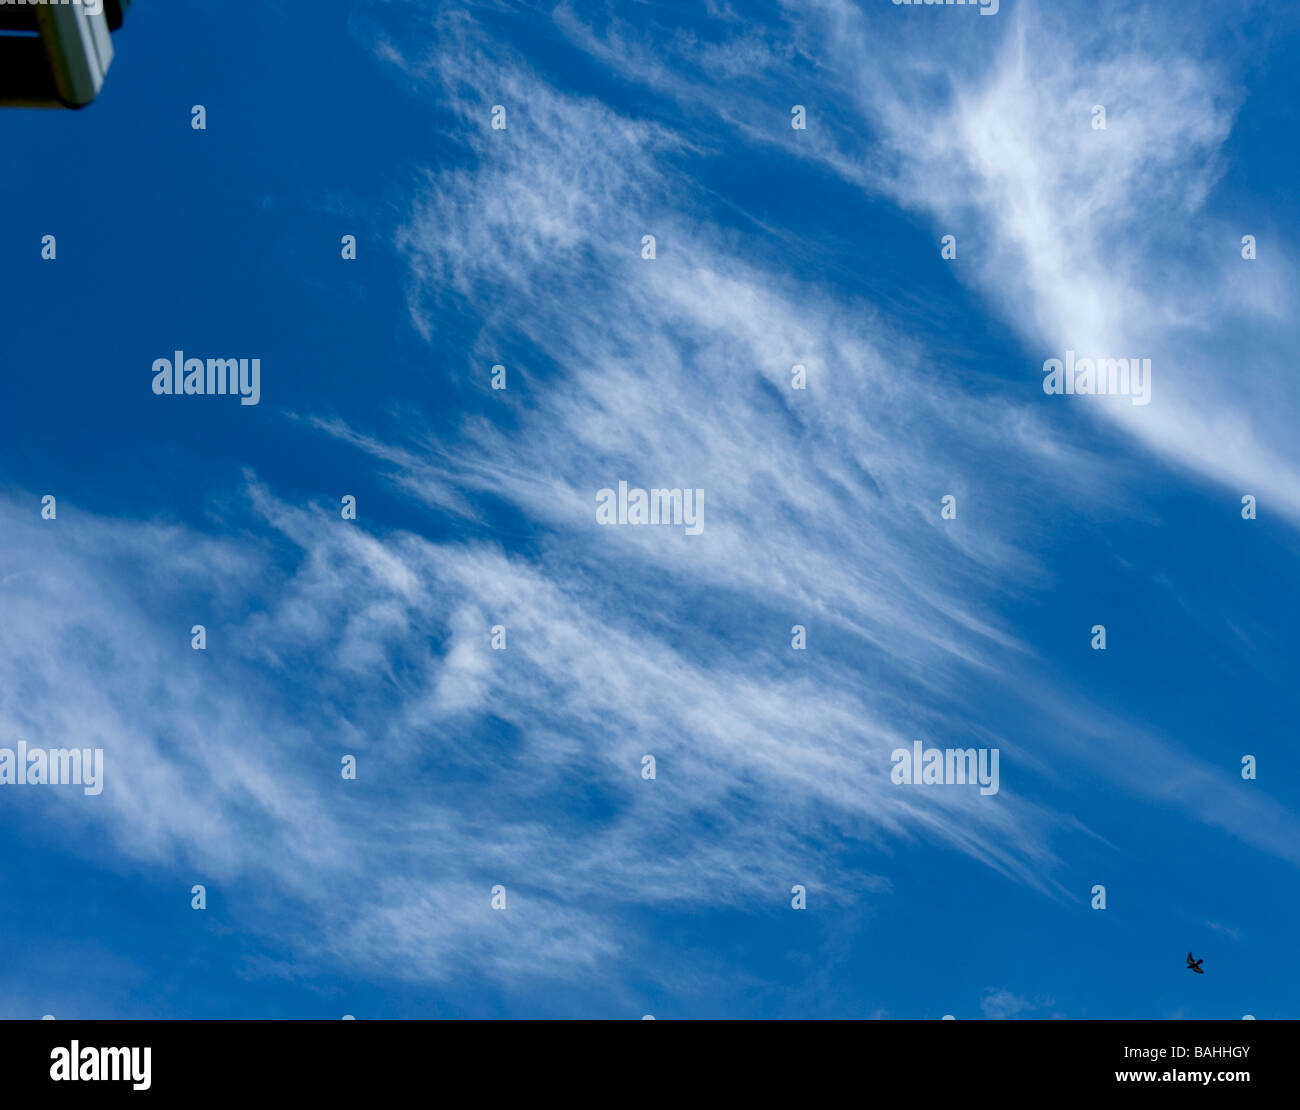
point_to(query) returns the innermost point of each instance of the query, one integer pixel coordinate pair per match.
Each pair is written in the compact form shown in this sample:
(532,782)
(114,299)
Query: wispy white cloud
(1001,1004)
(1106,241)
(222,767)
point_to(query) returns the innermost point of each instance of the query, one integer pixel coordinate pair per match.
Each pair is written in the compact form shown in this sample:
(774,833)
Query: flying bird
(1195,965)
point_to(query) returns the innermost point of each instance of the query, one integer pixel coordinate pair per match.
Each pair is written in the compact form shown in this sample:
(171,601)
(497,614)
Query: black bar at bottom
(1230,1061)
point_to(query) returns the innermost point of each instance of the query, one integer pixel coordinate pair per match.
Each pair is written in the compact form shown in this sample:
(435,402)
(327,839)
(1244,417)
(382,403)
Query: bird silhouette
(1195,965)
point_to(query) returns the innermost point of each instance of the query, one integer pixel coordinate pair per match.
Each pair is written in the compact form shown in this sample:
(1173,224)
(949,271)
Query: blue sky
(774,247)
